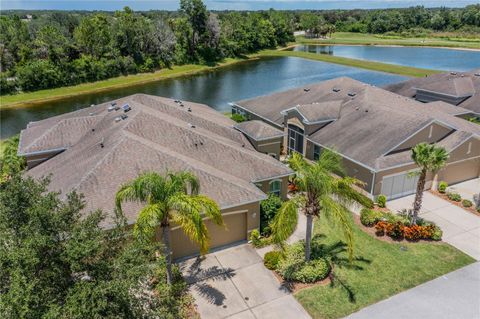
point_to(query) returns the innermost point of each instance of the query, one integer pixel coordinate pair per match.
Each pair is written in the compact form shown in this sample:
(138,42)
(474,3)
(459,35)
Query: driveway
(233,283)
(454,295)
(461,229)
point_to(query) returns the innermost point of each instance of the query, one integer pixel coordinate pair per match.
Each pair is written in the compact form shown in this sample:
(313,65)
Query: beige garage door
(236,230)
(459,172)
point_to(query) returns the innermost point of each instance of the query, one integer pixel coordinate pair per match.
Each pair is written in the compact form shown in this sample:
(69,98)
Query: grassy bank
(384,270)
(369,65)
(42,96)
(372,39)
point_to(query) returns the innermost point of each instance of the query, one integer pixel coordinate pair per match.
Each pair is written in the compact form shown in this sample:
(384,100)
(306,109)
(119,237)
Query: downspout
(373,184)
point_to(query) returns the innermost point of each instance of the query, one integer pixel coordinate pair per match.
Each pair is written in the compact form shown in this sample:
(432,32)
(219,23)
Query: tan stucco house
(96,149)
(373,129)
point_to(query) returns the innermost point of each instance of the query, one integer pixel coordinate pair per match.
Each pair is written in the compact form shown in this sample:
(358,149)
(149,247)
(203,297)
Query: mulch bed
(472,209)
(388,239)
(295,286)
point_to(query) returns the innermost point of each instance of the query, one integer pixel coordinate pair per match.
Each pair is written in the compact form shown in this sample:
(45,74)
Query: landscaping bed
(380,269)
(460,203)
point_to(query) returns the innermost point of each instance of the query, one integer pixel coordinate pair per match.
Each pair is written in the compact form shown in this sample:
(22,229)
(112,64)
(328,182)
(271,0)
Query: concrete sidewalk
(461,229)
(454,295)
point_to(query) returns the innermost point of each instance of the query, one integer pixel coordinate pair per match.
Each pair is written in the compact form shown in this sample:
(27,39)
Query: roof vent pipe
(306,89)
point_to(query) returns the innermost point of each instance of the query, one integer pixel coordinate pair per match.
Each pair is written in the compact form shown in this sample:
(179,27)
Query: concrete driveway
(454,295)
(233,283)
(461,229)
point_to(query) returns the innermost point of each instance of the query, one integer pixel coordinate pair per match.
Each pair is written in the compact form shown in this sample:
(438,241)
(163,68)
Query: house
(373,130)
(457,88)
(96,149)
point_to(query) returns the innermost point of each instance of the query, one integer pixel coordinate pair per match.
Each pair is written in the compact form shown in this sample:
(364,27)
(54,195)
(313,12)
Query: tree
(320,193)
(173,197)
(430,158)
(94,35)
(56,261)
(197,16)
(10,163)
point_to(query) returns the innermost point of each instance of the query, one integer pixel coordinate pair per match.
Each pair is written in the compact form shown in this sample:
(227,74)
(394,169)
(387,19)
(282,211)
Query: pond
(215,88)
(425,58)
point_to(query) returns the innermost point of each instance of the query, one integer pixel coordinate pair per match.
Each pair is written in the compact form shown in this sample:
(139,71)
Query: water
(215,88)
(426,58)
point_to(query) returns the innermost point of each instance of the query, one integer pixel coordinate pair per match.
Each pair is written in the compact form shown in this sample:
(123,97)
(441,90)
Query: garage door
(236,230)
(459,172)
(399,185)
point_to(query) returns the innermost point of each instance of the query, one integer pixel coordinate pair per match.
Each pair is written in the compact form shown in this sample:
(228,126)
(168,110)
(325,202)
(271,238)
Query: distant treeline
(46,49)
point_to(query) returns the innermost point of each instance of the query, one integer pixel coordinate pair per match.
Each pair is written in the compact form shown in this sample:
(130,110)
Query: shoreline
(381,45)
(31,99)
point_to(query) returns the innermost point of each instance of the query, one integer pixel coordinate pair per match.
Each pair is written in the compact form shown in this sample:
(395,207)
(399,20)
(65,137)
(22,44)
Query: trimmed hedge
(271,259)
(382,200)
(442,187)
(454,196)
(369,217)
(467,203)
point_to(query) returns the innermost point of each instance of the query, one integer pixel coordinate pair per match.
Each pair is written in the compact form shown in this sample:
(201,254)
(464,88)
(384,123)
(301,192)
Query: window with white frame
(317,150)
(275,187)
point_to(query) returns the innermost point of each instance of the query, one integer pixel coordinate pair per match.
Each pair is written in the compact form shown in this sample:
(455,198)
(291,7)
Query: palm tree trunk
(167,252)
(417,204)
(308,237)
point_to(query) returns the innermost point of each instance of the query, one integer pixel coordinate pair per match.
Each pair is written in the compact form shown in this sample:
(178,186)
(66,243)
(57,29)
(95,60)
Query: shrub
(313,271)
(381,201)
(442,187)
(239,118)
(271,259)
(437,233)
(255,237)
(362,199)
(454,196)
(380,228)
(293,266)
(467,203)
(395,230)
(369,217)
(268,209)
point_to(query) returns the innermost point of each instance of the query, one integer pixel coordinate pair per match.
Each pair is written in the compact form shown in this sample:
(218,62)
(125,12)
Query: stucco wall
(265,187)
(438,132)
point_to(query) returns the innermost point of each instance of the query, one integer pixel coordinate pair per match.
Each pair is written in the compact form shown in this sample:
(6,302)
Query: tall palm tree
(320,192)
(173,197)
(430,158)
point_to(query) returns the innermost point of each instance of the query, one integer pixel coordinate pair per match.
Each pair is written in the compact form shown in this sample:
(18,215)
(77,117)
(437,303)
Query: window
(469,150)
(295,139)
(275,187)
(317,150)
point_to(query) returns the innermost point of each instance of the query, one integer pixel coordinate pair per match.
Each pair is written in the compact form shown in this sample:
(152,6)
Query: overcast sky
(112,5)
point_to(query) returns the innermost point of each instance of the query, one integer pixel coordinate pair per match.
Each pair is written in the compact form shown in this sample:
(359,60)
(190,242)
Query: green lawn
(369,65)
(385,271)
(372,39)
(38,97)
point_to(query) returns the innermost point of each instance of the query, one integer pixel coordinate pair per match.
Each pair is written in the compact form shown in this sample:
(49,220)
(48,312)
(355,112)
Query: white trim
(305,120)
(349,158)
(247,110)
(208,218)
(441,93)
(245,203)
(402,172)
(416,132)
(270,143)
(372,187)
(463,142)
(273,177)
(43,152)
(259,139)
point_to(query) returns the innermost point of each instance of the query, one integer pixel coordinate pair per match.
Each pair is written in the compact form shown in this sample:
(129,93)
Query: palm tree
(320,192)
(173,197)
(430,158)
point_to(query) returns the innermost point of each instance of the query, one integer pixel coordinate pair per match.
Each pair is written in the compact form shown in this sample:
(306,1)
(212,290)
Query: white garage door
(399,185)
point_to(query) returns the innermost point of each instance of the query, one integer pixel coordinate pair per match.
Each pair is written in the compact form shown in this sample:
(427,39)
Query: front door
(295,139)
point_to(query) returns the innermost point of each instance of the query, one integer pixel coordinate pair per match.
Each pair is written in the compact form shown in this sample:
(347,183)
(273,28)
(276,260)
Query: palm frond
(149,217)
(340,215)
(297,162)
(186,212)
(429,156)
(331,161)
(185,181)
(210,209)
(285,221)
(126,193)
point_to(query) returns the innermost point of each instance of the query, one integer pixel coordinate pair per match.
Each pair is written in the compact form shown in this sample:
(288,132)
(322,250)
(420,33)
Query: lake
(426,58)
(215,88)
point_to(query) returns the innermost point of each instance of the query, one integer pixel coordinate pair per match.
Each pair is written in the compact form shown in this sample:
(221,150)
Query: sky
(140,5)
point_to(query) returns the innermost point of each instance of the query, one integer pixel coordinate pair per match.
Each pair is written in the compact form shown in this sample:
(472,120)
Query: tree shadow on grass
(337,255)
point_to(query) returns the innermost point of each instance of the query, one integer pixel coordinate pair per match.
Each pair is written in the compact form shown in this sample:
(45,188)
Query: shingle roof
(158,135)
(461,84)
(258,130)
(370,122)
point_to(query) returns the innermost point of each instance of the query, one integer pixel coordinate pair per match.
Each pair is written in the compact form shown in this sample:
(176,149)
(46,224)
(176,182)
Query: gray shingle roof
(258,130)
(369,124)
(461,84)
(158,135)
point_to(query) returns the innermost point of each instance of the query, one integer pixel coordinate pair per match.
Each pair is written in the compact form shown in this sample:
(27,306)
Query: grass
(385,271)
(42,96)
(372,39)
(369,65)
